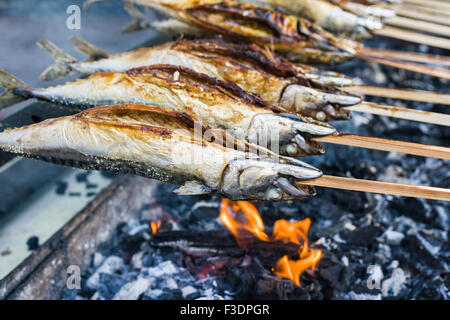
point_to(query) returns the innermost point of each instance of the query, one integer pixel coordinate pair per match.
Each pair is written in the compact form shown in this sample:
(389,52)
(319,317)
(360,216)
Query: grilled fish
(160,144)
(218,104)
(272,78)
(324,13)
(297,38)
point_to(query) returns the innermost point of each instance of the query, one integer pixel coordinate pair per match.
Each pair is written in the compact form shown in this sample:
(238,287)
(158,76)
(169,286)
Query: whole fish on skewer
(272,78)
(297,38)
(160,144)
(334,18)
(219,104)
(250,55)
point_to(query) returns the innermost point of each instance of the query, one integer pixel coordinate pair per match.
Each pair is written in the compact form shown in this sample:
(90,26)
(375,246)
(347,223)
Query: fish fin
(92,51)
(140,21)
(62,67)
(87,3)
(9,82)
(191,188)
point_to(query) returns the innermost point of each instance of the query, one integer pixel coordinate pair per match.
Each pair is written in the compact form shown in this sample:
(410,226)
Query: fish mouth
(302,132)
(323,106)
(267,180)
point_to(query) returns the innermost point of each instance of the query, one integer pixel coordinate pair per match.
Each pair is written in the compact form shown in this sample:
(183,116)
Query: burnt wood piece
(222,242)
(43,275)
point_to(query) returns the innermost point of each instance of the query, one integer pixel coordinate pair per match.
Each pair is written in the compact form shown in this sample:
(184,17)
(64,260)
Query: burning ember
(243,220)
(155,226)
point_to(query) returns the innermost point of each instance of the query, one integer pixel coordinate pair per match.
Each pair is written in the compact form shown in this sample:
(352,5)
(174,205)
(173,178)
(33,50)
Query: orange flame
(243,220)
(155,226)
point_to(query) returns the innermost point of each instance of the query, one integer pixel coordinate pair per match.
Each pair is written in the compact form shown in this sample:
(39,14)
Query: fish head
(267,180)
(320,105)
(288,134)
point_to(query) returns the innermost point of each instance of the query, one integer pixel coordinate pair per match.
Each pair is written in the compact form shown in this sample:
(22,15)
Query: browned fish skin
(219,104)
(295,37)
(334,18)
(253,69)
(159,144)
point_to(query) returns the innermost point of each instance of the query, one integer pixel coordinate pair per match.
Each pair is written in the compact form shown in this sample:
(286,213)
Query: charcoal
(413,208)
(109,285)
(111,265)
(33,243)
(420,258)
(61,187)
(362,237)
(395,284)
(133,290)
(83,176)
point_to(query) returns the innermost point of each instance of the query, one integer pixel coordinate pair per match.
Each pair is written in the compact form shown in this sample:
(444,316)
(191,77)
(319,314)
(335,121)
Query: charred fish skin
(290,35)
(218,104)
(255,71)
(249,55)
(329,16)
(160,144)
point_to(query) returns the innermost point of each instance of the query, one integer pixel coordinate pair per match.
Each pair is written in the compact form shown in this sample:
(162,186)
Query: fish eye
(274,194)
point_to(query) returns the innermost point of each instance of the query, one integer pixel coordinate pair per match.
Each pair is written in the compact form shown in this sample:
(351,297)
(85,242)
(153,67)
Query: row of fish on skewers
(244,90)
(137,136)
(349,18)
(305,31)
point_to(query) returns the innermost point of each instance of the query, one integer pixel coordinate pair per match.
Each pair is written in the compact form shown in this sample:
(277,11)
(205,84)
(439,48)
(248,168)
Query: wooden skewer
(406,65)
(438,5)
(402,113)
(413,13)
(413,37)
(401,94)
(425,10)
(407,56)
(389,145)
(424,26)
(397,189)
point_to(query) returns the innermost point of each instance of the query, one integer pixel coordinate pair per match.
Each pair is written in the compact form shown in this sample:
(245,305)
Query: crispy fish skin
(218,104)
(251,68)
(298,39)
(160,144)
(329,16)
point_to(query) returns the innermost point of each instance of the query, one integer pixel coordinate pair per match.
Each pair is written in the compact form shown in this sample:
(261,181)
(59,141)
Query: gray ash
(374,246)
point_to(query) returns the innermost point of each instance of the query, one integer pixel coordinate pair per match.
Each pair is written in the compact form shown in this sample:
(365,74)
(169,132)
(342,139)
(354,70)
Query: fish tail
(92,51)
(63,62)
(11,84)
(140,21)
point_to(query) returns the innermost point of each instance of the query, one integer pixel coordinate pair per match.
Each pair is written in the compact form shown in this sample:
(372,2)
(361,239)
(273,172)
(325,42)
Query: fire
(155,226)
(243,220)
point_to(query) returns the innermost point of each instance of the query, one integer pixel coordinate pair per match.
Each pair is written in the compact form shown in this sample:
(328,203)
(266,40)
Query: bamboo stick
(402,113)
(402,94)
(409,12)
(414,37)
(389,145)
(438,5)
(425,10)
(380,187)
(411,66)
(424,26)
(406,56)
